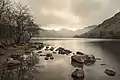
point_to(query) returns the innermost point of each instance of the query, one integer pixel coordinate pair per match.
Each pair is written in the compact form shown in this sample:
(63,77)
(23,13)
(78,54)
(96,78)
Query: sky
(71,14)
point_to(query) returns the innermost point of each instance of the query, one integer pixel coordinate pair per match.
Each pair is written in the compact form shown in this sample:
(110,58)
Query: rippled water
(60,68)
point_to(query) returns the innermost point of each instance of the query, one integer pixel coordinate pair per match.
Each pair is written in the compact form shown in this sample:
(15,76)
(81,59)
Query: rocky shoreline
(18,60)
(21,59)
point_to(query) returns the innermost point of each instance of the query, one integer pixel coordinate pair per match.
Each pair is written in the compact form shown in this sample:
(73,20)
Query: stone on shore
(78,74)
(13,63)
(110,72)
(2,46)
(15,56)
(27,52)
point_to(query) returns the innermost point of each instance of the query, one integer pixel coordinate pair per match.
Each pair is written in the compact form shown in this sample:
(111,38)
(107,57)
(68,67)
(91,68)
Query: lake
(61,69)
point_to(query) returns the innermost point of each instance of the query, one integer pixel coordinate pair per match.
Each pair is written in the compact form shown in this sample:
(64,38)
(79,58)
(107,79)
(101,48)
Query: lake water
(61,69)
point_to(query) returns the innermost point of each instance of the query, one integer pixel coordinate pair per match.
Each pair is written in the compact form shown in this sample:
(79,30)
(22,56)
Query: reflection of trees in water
(21,71)
(13,74)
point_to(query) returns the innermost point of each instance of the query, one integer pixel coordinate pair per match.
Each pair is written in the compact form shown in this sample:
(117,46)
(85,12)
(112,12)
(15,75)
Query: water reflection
(21,71)
(60,68)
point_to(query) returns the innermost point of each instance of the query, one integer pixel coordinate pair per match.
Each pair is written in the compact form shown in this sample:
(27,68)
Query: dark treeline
(16,23)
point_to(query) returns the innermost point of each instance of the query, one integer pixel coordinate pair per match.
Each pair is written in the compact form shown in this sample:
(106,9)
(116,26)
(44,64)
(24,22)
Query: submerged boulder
(110,72)
(78,74)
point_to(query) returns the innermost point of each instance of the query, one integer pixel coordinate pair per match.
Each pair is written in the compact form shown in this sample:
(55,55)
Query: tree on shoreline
(18,20)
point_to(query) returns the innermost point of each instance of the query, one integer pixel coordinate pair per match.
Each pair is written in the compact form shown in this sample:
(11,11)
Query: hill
(110,28)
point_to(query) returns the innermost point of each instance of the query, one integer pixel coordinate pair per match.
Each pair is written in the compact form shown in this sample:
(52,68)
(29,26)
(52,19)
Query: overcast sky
(71,13)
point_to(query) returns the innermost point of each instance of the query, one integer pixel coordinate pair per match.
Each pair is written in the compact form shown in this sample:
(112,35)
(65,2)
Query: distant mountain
(63,33)
(110,28)
(49,33)
(66,32)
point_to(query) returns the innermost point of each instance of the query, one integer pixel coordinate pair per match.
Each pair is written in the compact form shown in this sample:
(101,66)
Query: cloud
(72,13)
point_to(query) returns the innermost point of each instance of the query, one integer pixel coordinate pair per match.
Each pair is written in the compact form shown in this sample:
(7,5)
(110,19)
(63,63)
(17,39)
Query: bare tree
(17,18)
(23,21)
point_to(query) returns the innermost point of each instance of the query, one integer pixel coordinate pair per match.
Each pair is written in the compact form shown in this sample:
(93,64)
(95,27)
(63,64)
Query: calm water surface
(60,68)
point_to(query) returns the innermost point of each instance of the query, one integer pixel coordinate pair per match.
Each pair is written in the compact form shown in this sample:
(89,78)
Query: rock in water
(68,51)
(103,64)
(78,74)
(98,58)
(80,53)
(110,72)
(42,55)
(78,65)
(46,58)
(51,57)
(39,51)
(78,59)
(49,54)
(54,52)
(52,48)
(90,60)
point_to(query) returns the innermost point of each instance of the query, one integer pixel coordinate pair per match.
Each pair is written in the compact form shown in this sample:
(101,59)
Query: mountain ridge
(110,28)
